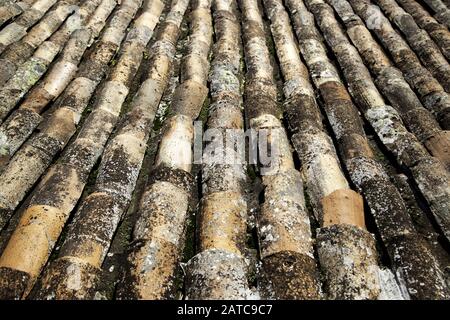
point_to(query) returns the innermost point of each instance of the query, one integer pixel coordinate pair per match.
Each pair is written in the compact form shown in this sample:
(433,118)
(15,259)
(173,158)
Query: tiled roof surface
(222,149)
